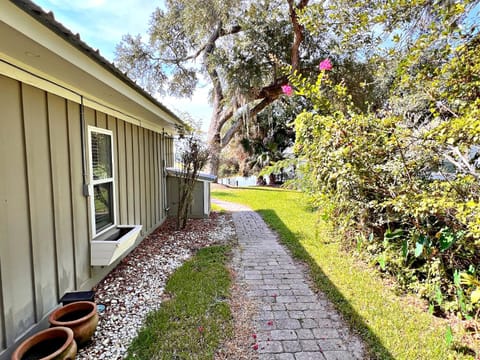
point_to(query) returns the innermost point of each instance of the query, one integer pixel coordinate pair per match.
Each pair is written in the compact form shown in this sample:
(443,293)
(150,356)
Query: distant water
(239,181)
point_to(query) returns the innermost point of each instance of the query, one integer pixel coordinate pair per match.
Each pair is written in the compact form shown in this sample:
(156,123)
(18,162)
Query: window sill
(111,245)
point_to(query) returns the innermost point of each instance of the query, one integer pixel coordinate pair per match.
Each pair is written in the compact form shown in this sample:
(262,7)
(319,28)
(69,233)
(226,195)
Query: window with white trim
(102,181)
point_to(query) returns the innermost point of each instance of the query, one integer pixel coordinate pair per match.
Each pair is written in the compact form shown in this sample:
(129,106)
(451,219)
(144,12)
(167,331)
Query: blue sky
(102,23)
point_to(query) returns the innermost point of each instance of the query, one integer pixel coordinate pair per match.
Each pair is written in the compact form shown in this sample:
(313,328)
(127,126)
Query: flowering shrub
(287,90)
(325,65)
(405,194)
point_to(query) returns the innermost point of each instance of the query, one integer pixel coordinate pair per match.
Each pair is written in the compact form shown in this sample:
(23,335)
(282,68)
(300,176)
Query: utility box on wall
(201,199)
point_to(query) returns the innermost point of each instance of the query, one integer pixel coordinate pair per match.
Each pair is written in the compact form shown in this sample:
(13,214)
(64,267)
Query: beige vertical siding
(136,176)
(2,312)
(100,120)
(157,167)
(121,165)
(151,178)
(81,234)
(62,210)
(111,124)
(129,174)
(169,156)
(146,166)
(90,116)
(142,178)
(44,216)
(15,241)
(40,198)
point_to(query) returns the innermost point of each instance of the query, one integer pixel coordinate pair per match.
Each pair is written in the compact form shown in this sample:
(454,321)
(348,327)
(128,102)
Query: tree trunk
(214,163)
(268,94)
(214,140)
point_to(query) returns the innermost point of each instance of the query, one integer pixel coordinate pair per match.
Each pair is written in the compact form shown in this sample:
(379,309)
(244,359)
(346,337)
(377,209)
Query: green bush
(406,193)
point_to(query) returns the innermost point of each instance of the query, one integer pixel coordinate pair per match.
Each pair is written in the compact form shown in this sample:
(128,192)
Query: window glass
(101,155)
(103,198)
(101,180)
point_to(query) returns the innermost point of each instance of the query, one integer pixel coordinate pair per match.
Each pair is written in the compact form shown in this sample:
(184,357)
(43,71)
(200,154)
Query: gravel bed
(136,286)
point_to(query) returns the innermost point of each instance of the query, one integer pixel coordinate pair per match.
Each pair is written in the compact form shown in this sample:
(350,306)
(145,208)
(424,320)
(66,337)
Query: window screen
(101,179)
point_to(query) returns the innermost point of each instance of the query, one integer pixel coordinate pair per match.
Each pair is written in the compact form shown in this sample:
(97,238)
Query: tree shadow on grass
(264,188)
(374,344)
(223,194)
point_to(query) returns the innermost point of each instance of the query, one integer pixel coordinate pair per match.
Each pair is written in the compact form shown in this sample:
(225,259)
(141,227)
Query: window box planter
(110,246)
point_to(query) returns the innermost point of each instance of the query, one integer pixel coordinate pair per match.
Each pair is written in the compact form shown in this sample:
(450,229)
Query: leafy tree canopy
(237,46)
(401,178)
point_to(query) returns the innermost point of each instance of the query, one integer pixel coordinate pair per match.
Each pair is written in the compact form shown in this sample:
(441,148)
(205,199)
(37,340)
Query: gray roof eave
(48,20)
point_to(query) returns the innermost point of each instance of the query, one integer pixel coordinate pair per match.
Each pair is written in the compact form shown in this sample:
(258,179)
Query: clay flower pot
(51,344)
(80,316)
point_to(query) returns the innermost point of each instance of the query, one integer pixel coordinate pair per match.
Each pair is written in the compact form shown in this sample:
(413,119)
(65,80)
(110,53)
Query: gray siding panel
(142,178)
(163,178)
(15,252)
(136,176)
(44,214)
(130,183)
(90,118)
(163,182)
(156,167)
(3,343)
(40,194)
(153,179)
(111,124)
(121,173)
(79,202)
(148,180)
(57,115)
(169,155)
(100,119)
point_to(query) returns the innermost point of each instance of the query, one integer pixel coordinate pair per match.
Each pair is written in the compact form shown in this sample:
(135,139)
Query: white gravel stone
(136,286)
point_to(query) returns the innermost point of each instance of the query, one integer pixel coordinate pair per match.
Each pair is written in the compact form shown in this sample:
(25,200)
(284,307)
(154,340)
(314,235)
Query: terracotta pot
(51,344)
(80,316)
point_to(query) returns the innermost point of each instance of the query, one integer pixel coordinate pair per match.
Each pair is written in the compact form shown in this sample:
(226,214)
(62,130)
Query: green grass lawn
(196,319)
(391,326)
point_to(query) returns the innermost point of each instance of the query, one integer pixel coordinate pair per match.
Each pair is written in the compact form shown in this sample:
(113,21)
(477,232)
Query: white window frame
(94,182)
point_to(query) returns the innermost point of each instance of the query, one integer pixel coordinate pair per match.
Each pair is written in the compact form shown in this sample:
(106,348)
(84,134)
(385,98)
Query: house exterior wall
(200,198)
(45,216)
(169,152)
(198,204)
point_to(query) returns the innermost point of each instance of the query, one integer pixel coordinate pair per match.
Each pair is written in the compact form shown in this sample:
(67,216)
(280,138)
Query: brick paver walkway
(293,322)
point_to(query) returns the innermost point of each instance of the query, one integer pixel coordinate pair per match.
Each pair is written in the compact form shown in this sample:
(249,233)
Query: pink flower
(200,329)
(270,323)
(325,65)
(254,336)
(255,346)
(287,90)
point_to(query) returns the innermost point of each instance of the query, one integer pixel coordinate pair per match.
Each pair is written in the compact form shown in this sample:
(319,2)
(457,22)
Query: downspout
(166,208)
(85,185)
